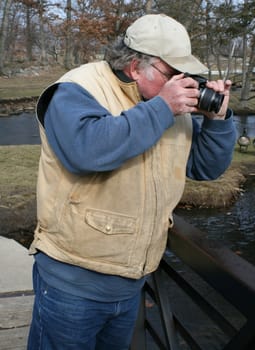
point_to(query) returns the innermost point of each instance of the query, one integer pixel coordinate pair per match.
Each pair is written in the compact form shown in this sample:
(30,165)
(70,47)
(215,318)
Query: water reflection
(234,226)
(23,128)
(241,122)
(245,122)
(19,130)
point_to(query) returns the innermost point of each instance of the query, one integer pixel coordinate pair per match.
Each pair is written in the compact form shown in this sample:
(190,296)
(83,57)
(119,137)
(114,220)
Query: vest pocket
(110,223)
(97,239)
(109,238)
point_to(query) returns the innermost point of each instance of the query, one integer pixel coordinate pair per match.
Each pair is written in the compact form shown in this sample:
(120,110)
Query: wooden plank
(15,318)
(15,311)
(14,339)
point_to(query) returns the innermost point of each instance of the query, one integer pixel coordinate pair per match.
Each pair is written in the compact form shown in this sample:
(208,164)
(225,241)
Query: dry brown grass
(214,194)
(18,174)
(29,86)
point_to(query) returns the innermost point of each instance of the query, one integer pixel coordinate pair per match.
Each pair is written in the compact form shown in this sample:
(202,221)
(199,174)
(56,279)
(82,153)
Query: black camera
(209,100)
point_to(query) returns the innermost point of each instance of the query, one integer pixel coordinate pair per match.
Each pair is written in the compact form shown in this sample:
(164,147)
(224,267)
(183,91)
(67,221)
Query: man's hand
(181,94)
(222,87)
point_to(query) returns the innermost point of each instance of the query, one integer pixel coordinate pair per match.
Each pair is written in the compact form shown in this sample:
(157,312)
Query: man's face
(151,78)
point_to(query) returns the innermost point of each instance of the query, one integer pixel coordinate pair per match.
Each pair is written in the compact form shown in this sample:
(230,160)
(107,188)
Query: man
(117,142)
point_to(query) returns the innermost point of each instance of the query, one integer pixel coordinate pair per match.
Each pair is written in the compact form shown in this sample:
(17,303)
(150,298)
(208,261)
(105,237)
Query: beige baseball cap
(162,36)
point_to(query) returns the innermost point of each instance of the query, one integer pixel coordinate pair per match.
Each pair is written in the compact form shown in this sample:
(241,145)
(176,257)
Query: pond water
(241,123)
(23,128)
(233,226)
(245,122)
(19,130)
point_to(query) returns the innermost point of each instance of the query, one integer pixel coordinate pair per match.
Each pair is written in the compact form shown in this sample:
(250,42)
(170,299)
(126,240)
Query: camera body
(209,100)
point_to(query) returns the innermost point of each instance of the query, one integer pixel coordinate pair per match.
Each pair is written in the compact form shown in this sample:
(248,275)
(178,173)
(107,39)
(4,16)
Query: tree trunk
(246,87)
(148,8)
(120,12)
(42,34)
(28,34)
(244,67)
(68,53)
(3,35)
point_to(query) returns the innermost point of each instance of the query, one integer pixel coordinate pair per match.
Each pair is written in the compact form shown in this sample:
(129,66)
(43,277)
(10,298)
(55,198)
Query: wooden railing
(202,297)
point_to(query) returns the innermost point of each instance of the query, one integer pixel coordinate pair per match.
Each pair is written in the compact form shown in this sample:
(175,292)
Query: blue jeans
(62,321)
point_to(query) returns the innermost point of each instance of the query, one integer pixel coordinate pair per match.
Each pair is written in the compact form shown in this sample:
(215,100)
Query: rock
(17,105)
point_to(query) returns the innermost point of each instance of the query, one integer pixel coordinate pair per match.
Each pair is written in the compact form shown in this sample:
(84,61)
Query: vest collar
(128,86)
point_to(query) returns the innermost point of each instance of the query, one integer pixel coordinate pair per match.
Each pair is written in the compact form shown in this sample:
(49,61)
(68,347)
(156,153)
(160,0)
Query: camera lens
(210,100)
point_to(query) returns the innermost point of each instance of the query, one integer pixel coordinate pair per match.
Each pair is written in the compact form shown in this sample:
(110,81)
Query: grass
(244,157)
(29,86)
(18,174)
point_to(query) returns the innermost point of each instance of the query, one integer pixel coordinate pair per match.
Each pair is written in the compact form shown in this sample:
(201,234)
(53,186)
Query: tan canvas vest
(113,222)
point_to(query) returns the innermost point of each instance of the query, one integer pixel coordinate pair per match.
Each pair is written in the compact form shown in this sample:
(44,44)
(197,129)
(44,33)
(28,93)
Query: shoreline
(18,105)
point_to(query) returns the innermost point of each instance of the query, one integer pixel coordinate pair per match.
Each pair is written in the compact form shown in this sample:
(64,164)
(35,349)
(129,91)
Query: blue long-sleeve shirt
(87,138)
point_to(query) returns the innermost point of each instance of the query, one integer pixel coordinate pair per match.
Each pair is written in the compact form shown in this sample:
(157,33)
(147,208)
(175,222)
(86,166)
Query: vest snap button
(108,228)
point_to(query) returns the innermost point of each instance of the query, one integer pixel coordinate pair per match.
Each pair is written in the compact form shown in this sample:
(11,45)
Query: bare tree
(247,27)
(4,33)
(246,87)
(41,10)
(29,11)
(68,38)
(148,6)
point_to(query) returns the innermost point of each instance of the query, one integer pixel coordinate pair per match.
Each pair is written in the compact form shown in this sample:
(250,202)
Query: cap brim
(189,64)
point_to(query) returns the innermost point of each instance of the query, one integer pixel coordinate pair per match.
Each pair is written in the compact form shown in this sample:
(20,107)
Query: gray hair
(118,55)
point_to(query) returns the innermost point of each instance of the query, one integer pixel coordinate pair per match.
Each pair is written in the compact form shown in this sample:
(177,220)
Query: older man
(118,140)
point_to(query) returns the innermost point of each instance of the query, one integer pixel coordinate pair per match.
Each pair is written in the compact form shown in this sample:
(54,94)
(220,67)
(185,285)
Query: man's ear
(132,70)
